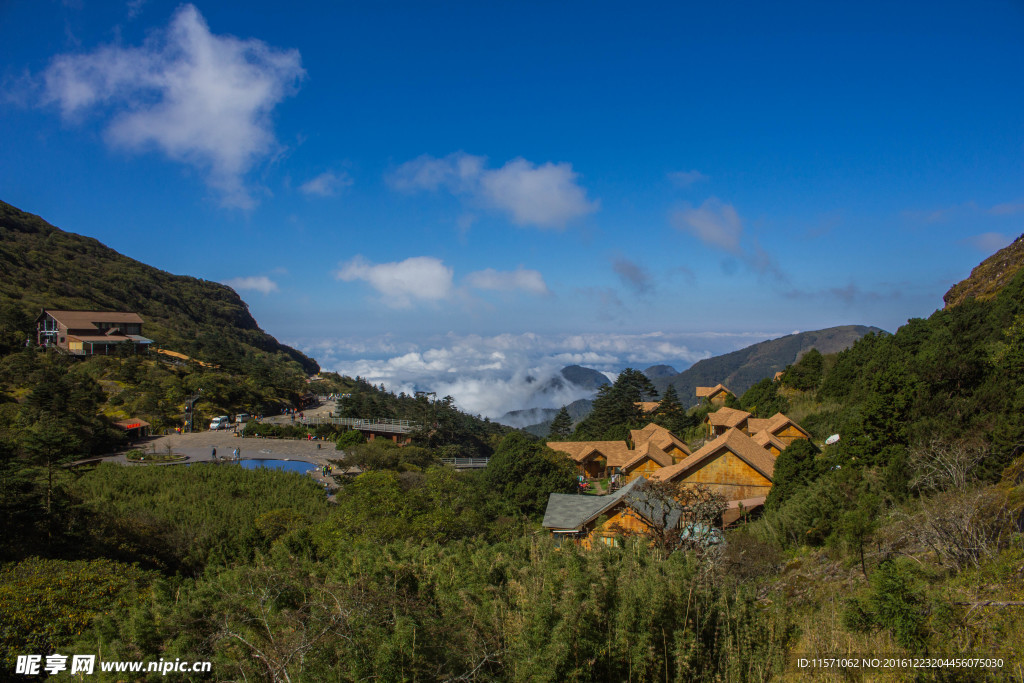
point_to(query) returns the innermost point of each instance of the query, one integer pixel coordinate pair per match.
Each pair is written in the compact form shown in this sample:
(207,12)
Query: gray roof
(571,511)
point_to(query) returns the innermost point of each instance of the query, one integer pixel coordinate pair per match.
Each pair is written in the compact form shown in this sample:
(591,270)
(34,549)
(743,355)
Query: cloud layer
(492,375)
(200,99)
(546,195)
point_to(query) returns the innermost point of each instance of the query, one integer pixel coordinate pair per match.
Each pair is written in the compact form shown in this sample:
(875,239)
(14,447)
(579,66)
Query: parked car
(222,422)
(242,418)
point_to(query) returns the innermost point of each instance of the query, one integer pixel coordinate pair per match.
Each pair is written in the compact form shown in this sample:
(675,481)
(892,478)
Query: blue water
(286,465)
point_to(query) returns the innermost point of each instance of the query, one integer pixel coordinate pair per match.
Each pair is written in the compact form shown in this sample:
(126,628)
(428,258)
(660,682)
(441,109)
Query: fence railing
(466,463)
(382,424)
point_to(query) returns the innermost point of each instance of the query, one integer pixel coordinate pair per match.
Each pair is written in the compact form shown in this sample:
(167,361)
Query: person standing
(213,452)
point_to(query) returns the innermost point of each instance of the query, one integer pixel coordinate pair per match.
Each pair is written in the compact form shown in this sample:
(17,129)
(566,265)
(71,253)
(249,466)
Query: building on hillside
(134,428)
(592,520)
(654,447)
(89,333)
(779,426)
(715,395)
(599,459)
(777,376)
(724,419)
(733,465)
(662,438)
(769,442)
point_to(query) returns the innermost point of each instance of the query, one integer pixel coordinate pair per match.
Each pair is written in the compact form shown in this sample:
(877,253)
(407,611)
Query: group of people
(236,453)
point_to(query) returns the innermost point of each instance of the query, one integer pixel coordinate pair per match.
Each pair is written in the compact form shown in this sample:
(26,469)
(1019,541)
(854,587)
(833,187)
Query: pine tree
(561,426)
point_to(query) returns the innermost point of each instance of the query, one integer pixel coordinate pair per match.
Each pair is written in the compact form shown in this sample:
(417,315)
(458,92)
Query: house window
(610,541)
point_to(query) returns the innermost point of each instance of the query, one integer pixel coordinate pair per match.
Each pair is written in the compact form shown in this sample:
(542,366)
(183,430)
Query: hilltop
(990,276)
(46,267)
(741,369)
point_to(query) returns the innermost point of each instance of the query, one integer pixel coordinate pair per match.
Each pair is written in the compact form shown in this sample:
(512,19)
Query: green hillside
(45,267)
(741,369)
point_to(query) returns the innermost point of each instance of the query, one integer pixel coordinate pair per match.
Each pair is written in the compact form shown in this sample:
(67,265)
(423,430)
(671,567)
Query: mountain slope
(741,369)
(989,276)
(48,267)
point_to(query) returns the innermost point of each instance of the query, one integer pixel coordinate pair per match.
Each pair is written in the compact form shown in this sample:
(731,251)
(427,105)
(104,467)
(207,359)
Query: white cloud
(423,278)
(713,222)
(327,184)
(989,242)
(546,196)
(527,280)
(201,99)
(686,178)
(257,283)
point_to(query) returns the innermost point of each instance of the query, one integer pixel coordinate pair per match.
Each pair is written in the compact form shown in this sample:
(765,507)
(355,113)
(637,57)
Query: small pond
(286,465)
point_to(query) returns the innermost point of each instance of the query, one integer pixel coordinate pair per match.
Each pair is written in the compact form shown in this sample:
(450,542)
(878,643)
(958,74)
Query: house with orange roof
(724,419)
(733,465)
(654,447)
(769,442)
(662,438)
(647,406)
(779,426)
(715,395)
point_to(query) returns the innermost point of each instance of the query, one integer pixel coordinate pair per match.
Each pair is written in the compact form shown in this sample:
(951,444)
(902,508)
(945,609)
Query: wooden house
(715,395)
(662,438)
(647,407)
(654,447)
(732,465)
(592,520)
(769,442)
(88,333)
(724,419)
(778,425)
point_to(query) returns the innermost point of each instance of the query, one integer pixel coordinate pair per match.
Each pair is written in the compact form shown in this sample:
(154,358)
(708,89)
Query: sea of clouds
(492,375)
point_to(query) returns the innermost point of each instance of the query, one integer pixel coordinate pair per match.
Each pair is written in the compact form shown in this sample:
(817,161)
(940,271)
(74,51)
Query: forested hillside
(740,369)
(45,267)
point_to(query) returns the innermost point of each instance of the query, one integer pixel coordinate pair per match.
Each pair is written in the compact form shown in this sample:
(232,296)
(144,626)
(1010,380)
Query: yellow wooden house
(715,395)
(733,465)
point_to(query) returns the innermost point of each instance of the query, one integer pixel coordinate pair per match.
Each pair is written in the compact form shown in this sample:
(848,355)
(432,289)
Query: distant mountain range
(741,369)
(46,267)
(738,371)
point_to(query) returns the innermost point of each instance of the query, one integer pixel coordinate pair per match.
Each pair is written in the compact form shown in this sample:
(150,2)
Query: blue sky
(417,192)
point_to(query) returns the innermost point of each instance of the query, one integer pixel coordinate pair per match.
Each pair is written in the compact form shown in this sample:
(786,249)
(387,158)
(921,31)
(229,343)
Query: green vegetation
(903,538)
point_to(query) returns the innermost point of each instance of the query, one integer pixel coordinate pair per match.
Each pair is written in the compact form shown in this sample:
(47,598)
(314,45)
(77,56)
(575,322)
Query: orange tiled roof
(779,421)
(727,417)
(659,436)
(733,440)
(647,406)
(615,452)
(708,392)
(764,437)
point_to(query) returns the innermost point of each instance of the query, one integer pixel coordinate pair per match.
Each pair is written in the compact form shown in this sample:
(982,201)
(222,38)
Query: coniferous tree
(561,426)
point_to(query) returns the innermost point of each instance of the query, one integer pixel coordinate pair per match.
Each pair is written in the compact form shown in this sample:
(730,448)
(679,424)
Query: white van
(222,422)
(242,418)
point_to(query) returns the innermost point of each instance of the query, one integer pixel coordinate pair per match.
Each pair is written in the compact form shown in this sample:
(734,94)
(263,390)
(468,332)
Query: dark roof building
(87,333)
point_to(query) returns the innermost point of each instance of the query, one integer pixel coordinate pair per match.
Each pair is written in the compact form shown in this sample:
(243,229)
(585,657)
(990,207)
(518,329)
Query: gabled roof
(764,438)
(648,450)
(777,376)
(735,441)
(708,392)
(86,320)
(727,417)
(778,421)
(659,436)
(572,511)
(647,406)
(616,453)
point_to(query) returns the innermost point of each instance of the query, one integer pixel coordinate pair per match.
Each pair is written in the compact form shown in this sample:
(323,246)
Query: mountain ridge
(47,267)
